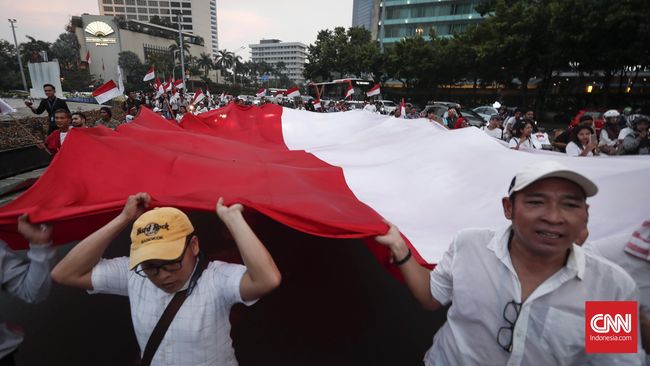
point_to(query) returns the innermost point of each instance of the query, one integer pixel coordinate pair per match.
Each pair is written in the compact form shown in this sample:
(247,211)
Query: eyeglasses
(510,314)
(147,270)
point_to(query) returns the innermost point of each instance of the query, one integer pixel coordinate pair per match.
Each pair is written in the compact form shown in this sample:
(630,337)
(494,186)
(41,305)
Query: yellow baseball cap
(159,234)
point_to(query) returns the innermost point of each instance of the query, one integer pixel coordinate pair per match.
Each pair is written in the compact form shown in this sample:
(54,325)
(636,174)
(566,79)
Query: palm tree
(224,59)
(205,62)
(176,46)
(236,66)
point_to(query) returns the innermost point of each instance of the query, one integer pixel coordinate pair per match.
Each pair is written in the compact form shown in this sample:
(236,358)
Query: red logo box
(611,326)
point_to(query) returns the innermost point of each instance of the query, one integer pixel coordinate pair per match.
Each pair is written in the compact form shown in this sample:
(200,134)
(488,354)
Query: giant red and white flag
(88,61)
(328,174)
(150,75)
(349,91)
(106,92)
(198,97)
(375,90)
(293,92)
(260,93)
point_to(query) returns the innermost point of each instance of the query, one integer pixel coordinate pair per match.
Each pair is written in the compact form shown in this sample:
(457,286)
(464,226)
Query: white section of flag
(349,91)
(151,74)
(260,93)
(106,92)
(317,104)
(395,167)
(198,97)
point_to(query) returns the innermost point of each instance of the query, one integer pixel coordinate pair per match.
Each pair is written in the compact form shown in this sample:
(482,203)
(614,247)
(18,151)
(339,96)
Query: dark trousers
(8,360)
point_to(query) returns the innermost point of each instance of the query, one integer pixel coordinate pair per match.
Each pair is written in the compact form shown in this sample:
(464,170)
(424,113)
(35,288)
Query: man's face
(62,121)
(451,113)
(103,114)
(642,127)
(547,216)
(172,282)
(77,121)
(494,122)
(49,91)
(529,115)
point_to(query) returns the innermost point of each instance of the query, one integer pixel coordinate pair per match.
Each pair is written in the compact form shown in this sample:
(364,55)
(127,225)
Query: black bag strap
(168,315)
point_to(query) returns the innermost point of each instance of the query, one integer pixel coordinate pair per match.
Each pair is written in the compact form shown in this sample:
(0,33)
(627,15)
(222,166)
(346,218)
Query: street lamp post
(20,62)
(180,37)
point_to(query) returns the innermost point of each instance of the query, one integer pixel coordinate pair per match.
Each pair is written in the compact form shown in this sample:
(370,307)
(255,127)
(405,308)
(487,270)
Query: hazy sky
(240,23)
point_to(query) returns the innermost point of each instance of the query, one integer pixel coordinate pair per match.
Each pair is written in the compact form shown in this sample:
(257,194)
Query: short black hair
(64,111)
(586,117)
(50,85)
(80,114)
(576,130)
(107,110)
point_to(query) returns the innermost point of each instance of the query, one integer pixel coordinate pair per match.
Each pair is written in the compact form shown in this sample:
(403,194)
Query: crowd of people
(515,295)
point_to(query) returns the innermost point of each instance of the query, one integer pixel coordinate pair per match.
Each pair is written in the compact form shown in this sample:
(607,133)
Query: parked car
(444,103)
(486,111)
(472,117)
(386,106)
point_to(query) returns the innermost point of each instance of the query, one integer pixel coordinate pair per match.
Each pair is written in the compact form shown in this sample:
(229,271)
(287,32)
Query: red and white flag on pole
(106,92)
(160,89)
(5,108)
(260,93)
(402,109)
(222,97)
(178,84)
(349,91)
(151,74)
(375,90)
(169,84)
(198,97)
(317,104)
(293,92)
(88,58)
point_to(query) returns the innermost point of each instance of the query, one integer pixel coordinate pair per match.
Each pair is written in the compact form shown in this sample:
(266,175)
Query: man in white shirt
(370,107)
(28,280)
(492,129)
(518,293)
(165,260)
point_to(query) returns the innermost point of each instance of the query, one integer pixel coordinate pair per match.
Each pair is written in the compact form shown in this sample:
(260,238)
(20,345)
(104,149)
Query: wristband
(405,259)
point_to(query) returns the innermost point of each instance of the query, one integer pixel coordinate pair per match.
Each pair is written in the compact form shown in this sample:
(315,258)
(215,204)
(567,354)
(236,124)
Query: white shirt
(199,335)
(624,132)
(62,135)
(605,140)
(526,145)
(370,108)
(477,276)
(572,149)
(496,132)
(28,280)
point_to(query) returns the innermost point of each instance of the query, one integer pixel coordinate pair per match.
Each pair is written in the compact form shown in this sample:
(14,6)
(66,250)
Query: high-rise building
(198,16)
(362,13)
(272,51)
(408,18)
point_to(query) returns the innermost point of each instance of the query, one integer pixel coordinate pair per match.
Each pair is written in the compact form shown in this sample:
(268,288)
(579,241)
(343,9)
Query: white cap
(156,109)
(550,169)
(611,113)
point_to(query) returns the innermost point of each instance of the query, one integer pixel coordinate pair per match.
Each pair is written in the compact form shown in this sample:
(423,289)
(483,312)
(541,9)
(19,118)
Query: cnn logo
(611,326)
(605,323)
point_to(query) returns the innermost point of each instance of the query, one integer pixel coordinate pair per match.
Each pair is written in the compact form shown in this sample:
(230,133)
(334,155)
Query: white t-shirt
(370,108)
(540,139)
(572,149)
(526,145)
(497,133)
(199,335)
(624,132)
(477,277)
(62,136)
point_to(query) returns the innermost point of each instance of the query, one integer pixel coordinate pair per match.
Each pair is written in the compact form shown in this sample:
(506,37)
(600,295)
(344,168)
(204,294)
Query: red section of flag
(375,90)
(293,92)
(198,97)
(150,75)
(349,91)
(88,57)
(108,86)
(238,152)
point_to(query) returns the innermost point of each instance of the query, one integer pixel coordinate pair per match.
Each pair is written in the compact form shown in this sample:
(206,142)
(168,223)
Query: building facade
(362,13)
(104,37)
(400,19)
(197,16)
(272,51)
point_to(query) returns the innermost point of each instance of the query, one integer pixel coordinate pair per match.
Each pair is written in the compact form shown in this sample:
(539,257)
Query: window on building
(118,2)
(144,18)
(175,4)
(130,2)
(462,8)
(187,27)
(186,12)
(142,2)
(130,10)
(131,16)
(187,20)
(119,9)
(153,11)
(107,2)
(164,3)
(187,5)
(108,8)
(164,11)
(153,3)
(142,10)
